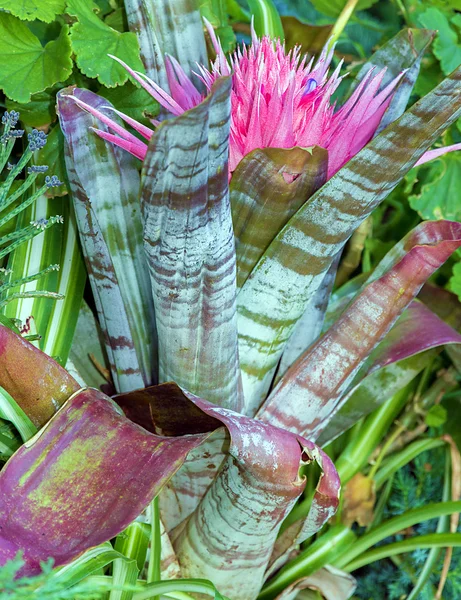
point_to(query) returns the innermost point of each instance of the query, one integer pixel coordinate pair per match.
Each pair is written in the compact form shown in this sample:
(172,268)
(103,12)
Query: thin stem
(397,461)
(153,569)
(362,445)
(432,540)
(34,277)
(342,20)
(393,526)
(387,444)
(442,527)
(32,294)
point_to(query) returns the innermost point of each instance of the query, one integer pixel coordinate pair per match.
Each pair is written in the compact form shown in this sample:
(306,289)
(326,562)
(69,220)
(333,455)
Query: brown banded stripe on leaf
(190,246)
(267,188)
(104,186)
(35,381)
(289,273)
(230,536)
(412,343)
(311,391)
(309,326)
(403,52)
(81,480)
(167,27)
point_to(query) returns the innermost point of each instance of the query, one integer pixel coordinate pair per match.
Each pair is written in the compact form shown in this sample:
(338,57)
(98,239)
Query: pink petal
(138,149)
(431,154)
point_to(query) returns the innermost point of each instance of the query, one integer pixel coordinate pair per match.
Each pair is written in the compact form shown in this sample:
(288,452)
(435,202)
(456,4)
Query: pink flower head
(279,100)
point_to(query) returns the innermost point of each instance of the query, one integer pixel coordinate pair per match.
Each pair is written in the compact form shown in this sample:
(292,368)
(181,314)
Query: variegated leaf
(190,247)
(230,536)
(104,184)
(167,27)
(82,480)
(403,52)
(266,189)
(35,381)
(286,278)
(309,326)
(310,393)
(403,353)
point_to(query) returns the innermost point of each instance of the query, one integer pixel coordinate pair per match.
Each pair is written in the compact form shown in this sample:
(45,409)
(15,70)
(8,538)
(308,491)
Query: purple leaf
(81,480)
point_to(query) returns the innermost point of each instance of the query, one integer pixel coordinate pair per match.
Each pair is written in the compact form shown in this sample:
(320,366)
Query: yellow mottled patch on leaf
(359,501)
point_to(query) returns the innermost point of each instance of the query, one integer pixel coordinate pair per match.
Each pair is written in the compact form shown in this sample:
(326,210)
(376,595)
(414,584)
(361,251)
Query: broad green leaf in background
(333,8)
(40,110)
(216,12)
(132,101)
(447,45)
(27,66)
(28,10)
(93,40)
(439,198)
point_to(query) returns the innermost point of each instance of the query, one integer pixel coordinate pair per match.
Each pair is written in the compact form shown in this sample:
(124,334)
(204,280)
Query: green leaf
(266,18)
(133,101)
(332,8)
(26,66)
(93,40)
(439,197)
(40,110)
(436,416)
(216,12)
(29,10)
(446,46)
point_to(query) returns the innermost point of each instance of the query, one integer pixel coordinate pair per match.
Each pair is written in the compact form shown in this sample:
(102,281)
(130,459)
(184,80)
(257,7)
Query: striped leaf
(35,381)
(403,52)
(311,391)
(230,536)
(167,27)
(190,247)
(55,321)
(266,189)
(392,365)
(309,326)
(81,480)
(288,275)
(104,185)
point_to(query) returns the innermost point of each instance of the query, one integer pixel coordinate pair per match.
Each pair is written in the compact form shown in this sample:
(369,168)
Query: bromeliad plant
(213,270)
